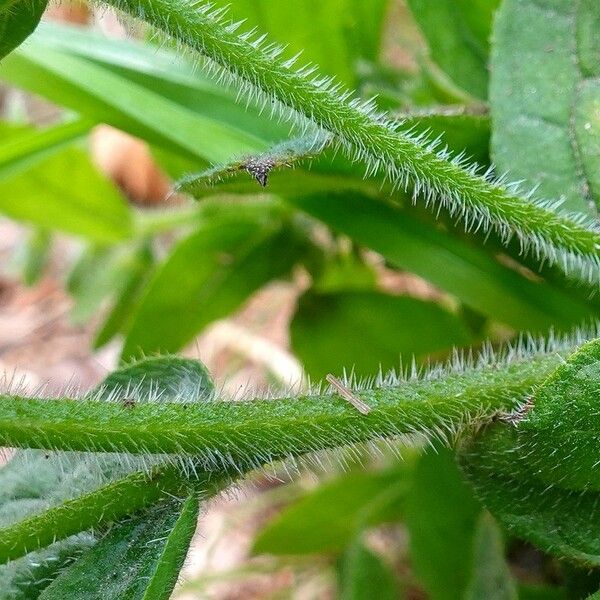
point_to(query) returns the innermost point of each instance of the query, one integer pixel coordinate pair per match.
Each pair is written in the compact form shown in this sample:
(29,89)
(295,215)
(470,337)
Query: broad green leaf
(457,32)
(18,21)
(491,578)
(362,331)
(442,517)
(327,519)
(207,276)
(28,577)
(559,521)
(544,97)
(347,31)
(362,574)
(127,299)
(540,476)
(464,271)
(23,148)
(65,192)
(559,433)
(137,560)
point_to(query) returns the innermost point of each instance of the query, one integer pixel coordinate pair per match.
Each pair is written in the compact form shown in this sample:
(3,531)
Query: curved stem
(404,157)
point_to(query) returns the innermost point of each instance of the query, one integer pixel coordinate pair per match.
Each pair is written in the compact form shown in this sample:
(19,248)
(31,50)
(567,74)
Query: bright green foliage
(458,34)
(458,268)
(545,97)
(209,275)
(327,519)
(139,559)
(18,20)
(363,331)
(351,29)
(86,205)
(433,528)
(23,147)
(363,574)
(105,95)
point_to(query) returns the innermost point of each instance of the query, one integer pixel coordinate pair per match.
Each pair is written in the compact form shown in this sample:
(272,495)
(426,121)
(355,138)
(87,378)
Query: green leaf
(491,578)
(327,519)
(467,272)
(442,517)
(18,21)
(457,32)
(128,297)
(139,559)
(558,435)
(168,378)
(540,476)
(561,522)
(65,192)
(104,95)
(362,574)
(362,331)
(24,148)
(207,276)
(544,97)
(26,578)
(167,73)
(348,29)
(259,166)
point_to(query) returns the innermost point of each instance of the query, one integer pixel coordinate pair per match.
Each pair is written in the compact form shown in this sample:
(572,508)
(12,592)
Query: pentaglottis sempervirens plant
(103,492)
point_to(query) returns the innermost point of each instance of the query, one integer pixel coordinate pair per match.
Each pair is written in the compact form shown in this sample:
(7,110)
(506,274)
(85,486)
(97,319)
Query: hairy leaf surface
(545,97)
(18,21)
(139,559)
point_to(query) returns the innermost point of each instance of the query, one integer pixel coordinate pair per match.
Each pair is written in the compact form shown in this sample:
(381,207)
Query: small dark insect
(128,402)
(259,169)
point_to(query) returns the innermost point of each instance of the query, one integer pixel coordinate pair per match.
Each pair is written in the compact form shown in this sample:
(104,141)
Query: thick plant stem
(107,504)
(403,157)
(251,433)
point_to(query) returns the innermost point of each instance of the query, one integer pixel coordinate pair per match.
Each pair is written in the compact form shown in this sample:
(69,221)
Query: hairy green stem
(405,158)
(248,434)
(109,503)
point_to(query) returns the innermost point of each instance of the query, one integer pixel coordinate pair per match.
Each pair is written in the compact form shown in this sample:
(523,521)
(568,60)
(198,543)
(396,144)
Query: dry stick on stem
(345,393)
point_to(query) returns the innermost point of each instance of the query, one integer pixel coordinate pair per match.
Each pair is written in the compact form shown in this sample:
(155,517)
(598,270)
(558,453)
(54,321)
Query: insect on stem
(346,394)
